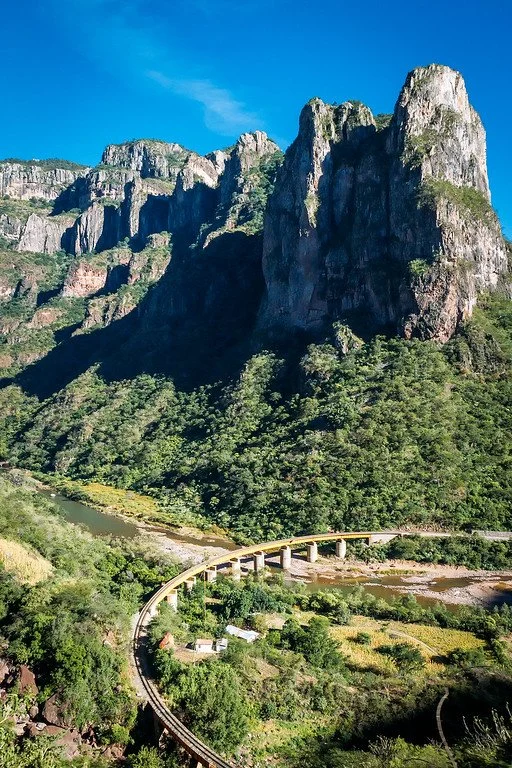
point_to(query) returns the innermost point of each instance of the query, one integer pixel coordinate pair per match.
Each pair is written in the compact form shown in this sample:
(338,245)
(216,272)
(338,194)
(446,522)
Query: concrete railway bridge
(231,562)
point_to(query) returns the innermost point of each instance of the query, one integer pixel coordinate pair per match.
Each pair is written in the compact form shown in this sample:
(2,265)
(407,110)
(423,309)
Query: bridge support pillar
(236,568)
(341,549)
(211,574)
(312,552)
(259,561)
(172,599)
(285,558)
(190,584)
(153,611)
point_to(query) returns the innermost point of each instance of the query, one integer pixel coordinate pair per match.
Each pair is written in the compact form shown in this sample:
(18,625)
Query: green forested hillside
(354,435)
(71,628)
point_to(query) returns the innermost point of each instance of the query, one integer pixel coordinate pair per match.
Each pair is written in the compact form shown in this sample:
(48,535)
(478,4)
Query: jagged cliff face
(190,203)
(384,223)
(25,180)
(149,158)
(215,278)
(387,228)
(139,189)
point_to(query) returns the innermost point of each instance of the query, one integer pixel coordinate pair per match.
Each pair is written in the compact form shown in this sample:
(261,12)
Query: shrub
(471,657)
(363,638)
(467,199)
(406,657)
(418,267)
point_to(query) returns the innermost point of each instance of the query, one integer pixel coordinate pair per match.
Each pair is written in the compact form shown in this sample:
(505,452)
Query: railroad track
(200,751)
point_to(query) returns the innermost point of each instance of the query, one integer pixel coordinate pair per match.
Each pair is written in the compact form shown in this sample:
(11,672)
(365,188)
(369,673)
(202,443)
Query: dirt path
(415,640)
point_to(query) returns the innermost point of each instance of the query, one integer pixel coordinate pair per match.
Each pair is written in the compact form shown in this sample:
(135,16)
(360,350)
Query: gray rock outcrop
(45,234)
(148,157)
(25,180)
(385,229)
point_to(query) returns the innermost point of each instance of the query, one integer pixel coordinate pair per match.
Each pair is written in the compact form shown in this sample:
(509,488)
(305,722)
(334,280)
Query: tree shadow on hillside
(477,694)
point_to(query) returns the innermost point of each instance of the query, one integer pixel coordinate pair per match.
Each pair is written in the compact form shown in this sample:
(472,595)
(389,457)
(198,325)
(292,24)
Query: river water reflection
(98,523)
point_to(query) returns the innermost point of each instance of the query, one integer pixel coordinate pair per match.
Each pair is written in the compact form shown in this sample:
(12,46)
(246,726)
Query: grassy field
(105,497)
(121,501)
(28,567)
(272,741)
(433,642)
(277,742)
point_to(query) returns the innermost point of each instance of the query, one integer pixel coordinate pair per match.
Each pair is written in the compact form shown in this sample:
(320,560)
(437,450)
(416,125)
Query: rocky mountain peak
(149,157)
(242,177)
(251,147)
(385,229)
(438,130)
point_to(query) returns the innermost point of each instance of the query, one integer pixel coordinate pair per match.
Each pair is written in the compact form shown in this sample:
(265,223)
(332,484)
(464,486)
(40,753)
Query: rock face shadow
(193,325)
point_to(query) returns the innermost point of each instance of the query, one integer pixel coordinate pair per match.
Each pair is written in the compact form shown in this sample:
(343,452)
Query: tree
(214,703)
(146,757)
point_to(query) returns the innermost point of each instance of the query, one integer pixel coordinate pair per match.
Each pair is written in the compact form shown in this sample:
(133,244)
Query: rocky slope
(383,223)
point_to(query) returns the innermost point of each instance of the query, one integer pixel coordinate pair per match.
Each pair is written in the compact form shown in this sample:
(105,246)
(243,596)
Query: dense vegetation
(71,628)
(381,434)
(49,164)
(314,691)
(472,551)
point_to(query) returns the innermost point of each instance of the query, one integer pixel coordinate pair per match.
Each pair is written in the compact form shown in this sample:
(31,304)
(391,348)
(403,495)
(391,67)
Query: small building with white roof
(203,645)
(249,635)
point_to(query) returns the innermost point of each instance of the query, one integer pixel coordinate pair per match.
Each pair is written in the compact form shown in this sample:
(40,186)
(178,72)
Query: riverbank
(118,512)
(451,584)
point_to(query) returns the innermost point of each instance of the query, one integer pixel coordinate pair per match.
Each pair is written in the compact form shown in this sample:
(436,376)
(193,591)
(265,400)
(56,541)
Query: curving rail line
(200,751)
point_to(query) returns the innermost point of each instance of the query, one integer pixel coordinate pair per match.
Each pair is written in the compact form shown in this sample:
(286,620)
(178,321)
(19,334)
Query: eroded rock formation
(383,223)
(390,228)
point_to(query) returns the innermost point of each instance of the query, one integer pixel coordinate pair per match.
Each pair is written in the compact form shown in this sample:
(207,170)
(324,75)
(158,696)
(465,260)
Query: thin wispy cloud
(109,36)
(222,113)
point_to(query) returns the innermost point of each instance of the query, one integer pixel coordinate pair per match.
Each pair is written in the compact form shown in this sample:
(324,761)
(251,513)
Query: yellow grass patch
(119,500)
(364,656)
(431,641)
(441,640)
(28,567)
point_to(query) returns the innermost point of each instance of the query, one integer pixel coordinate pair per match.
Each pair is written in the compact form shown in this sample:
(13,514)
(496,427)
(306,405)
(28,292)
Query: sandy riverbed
(454,585)
(187,545)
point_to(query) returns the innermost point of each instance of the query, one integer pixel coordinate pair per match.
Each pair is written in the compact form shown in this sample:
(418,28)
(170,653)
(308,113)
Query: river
(426,590)
(103,524)
(98,523)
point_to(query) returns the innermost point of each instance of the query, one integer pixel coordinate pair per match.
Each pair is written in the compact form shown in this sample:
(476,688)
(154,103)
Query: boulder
(53,713)
(27,681)
(4,670)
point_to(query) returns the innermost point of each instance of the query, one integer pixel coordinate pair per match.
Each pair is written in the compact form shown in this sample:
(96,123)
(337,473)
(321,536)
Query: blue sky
(79,74)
